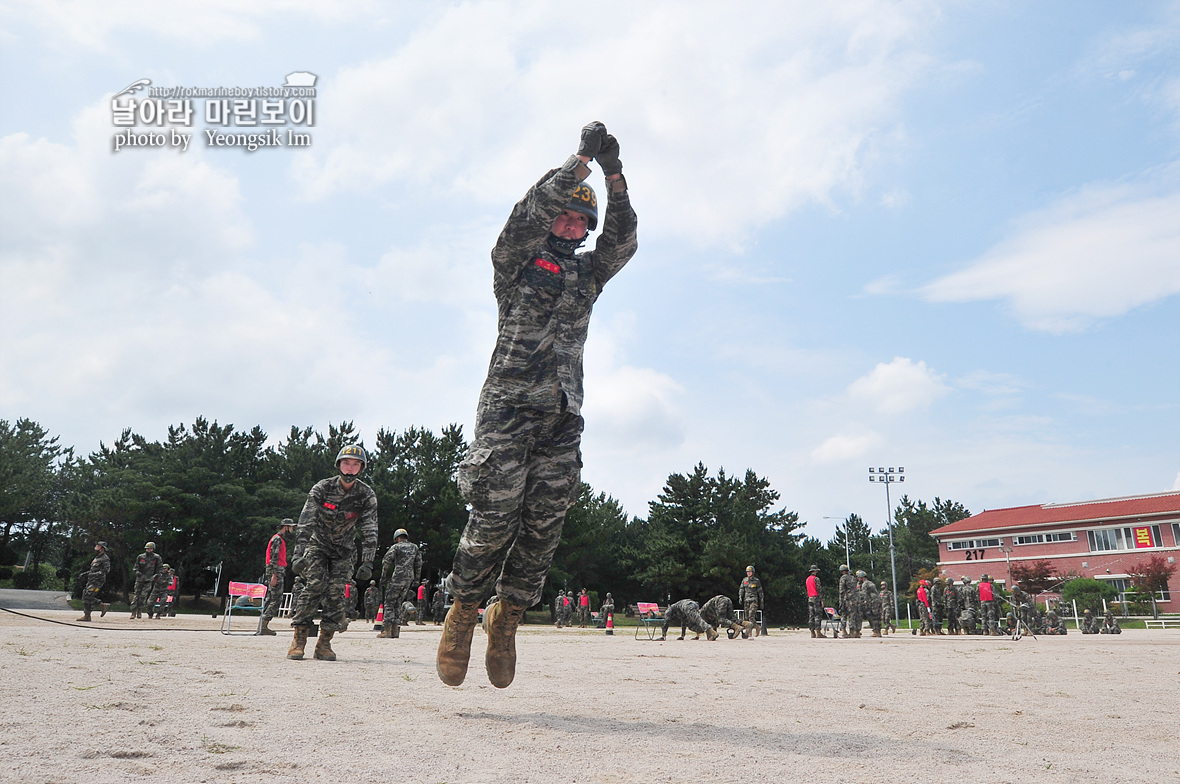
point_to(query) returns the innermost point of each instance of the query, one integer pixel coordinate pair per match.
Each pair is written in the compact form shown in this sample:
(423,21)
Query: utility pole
(888,477)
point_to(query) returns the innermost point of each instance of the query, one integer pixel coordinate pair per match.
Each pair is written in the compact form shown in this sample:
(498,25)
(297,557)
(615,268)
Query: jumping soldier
(400,570)
(523,469)
(325,548)
(147,568)
(95,577)
(276,565)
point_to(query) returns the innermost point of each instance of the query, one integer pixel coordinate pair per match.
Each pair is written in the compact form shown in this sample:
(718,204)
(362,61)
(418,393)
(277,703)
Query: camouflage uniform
(1054,624)
(1109,625)
(401,568)
(608,608)
(438,605)
(989,612)
(158,601)
(849,605)
(95,578)
(751,596)
(1022,606)
(296,591)
(327,544)
(523,468)
(816,615)
(870,603)
(936,605)
(420,609)
(953,605)
(685,613)
(372,599)
(718,613)
(274,593)
(583,609)
(147,567)
(886,598)
(174,593)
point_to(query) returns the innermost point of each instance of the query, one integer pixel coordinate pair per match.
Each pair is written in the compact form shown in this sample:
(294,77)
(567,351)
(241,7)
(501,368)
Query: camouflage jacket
(847,586)
(936,595)
(163,582)
(332,515)
(544,298)
(403,561)
(870,599)
(717,609)
(685,608)
(750,591)
(98,569)
(148,565)
(886,598)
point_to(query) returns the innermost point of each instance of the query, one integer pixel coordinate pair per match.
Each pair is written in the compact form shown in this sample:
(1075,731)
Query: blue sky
(938,235)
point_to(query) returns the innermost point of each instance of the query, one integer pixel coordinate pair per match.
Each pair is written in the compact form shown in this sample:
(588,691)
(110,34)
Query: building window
(972,544)
(1028,539)
(1176,534)
(1106,539)
(1061,536)
(1056,536)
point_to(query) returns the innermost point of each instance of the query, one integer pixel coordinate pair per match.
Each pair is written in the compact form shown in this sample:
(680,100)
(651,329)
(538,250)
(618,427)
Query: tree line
(211,494)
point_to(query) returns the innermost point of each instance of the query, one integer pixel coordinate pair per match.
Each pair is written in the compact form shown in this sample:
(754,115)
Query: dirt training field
(97,705)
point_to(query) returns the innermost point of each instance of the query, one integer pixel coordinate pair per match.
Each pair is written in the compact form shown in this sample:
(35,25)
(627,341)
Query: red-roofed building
(1102,539)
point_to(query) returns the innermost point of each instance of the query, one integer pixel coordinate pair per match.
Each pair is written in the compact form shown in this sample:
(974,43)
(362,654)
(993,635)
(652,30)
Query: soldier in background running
(95,578)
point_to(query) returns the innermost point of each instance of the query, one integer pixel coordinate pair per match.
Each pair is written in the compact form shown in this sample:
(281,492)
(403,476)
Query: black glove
(365,573)
(298,565)
(608,155)
(592,137)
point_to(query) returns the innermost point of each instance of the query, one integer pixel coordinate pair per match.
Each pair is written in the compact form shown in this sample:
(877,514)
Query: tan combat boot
(323,646)
(820,633)
(501,620)
(454,649)
(710,634)
(104,607)
(813,634)
(85,615)
(386,630)
(298,644)
(876,632)
(266,630)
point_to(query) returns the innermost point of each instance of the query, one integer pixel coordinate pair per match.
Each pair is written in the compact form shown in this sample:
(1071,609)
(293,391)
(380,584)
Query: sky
(939,236)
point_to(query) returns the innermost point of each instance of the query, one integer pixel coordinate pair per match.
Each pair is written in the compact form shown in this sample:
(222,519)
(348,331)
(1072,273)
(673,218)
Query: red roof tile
(1094,512)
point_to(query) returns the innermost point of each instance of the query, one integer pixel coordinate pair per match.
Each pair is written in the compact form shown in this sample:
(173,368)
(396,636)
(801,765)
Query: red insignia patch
(548,265)
(330,505)
(351,515)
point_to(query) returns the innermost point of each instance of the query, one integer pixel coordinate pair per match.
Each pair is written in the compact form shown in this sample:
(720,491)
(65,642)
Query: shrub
(1088,593)
(26,580)
(5,573)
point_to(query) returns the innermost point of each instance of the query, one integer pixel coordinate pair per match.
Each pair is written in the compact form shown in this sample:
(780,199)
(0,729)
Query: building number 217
(974,555)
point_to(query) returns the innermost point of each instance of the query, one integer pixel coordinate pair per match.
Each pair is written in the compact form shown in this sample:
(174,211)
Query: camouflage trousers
(936,615)
(324,577)
(421,609)
(815,613)
(396,592)
(90,596)
(274,595)
(988,615)
(143,592)
(872,614)
(887,618)
(853,619)
(689,618)
(520,476)
(158,603)
(370,610)
(583,615)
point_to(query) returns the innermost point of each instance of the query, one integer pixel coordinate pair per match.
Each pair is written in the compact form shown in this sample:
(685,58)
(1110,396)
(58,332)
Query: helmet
(813,568)
(749,568)
(966,580)
(585,202)
(372,582)
(985,578)
(844,567)
(150,546)
(103,545)
(1010,615)
(401,532)
(883,584)
(166,566)
(937,579)
(353,451)
(861,573)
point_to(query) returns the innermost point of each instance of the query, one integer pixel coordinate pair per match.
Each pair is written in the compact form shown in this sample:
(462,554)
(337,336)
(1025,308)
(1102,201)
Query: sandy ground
(108,704)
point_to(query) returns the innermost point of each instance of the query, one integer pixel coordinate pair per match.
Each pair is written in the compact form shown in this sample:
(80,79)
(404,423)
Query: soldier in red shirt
(815,604)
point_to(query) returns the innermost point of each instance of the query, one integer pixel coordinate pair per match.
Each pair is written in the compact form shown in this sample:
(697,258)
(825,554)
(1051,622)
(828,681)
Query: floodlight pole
(881,475)
(847,554)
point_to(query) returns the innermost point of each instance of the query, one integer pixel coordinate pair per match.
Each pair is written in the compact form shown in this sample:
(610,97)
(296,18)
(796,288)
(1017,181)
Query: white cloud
(846,447)
(898,387)
(726,121)
(1097,254)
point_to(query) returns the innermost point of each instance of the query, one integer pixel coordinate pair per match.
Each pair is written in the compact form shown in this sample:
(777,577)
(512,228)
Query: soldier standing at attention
(987,607)
(523,468)
(848,602)
(815,604)
(887,625)
(751,597)
(147,567)
(400,569)
(583,609)
(276,565)
(686,614)
(325,547)
(95,577)
(937,601)
(372,599)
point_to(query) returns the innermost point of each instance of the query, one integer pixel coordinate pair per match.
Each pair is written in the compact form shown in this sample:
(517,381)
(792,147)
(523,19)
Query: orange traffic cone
(610,623)
(380,618)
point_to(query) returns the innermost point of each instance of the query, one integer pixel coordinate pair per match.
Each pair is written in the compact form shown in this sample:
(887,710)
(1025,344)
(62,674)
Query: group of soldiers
(566,604)
(156,585)
(717,613)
